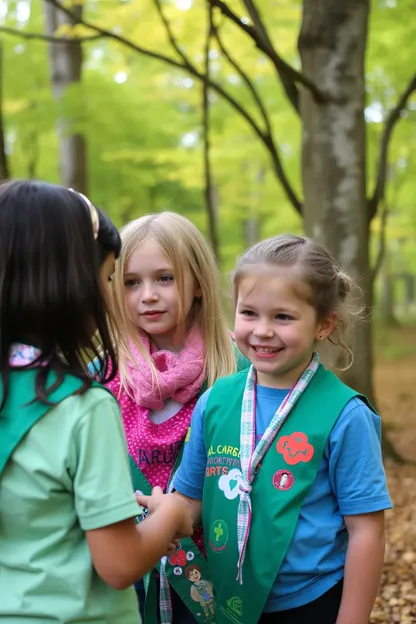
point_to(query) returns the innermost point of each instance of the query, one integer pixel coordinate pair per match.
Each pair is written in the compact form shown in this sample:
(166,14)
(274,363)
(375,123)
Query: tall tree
(65,62)
(327,96)
(4,163)
(332,45)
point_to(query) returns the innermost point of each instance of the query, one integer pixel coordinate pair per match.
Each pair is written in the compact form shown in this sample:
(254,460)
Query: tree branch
(266,137)
(288,83)
(170,34)
(208,186)
(268,134)
(267,48)
(249,83)
(29,35)
(382,243)
(191,69)
(393,117)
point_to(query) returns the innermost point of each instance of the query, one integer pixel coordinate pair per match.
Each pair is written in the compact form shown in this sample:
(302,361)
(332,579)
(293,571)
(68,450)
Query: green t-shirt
(70,474)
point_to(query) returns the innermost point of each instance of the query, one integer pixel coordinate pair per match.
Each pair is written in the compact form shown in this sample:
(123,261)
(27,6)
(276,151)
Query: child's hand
(153,501)
(170,504)
(172,548)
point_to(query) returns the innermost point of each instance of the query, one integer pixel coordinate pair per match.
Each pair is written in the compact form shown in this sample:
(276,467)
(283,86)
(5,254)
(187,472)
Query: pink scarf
(179,375)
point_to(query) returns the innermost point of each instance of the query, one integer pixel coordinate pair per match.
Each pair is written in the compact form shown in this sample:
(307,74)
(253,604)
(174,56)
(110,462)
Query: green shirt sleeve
(103,490)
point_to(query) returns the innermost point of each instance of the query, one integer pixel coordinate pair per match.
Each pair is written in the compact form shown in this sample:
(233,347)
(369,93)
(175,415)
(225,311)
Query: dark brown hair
(50,290)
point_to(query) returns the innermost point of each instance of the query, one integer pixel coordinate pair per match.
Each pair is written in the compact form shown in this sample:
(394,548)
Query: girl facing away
(284,457)
(69,544)
(172,344)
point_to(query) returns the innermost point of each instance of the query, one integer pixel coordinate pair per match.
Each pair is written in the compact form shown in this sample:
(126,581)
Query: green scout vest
(284,477)
(196,596)
(22,411)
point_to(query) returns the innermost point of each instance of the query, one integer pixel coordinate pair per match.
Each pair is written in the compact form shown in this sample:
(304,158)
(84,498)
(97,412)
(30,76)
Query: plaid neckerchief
(251,455)
(165,602)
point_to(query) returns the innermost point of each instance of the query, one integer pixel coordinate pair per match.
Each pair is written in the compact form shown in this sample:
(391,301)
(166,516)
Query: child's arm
(189,479)
(98,475)
(195,508)
(124,552)
(358,481)
(363,567)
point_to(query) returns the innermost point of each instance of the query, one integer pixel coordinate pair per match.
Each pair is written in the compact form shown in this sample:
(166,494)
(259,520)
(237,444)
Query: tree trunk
(332,45)
(4,163)
(387,294)
(253,220)
(65,62)
(209,190)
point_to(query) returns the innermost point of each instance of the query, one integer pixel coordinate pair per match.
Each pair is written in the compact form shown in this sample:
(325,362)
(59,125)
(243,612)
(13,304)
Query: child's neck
(284,380)
(166,342)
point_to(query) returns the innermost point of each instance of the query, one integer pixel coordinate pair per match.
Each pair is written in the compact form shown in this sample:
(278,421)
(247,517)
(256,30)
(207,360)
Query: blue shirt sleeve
(94,368)
(356,467)
(189,479)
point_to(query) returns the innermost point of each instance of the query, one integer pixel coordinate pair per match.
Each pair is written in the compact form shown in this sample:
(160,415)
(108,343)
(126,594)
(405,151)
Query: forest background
(251,118)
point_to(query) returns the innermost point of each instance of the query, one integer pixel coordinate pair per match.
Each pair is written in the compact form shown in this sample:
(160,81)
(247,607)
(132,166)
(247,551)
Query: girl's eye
(284,317)
(166,278)
(130,282)
(247,312)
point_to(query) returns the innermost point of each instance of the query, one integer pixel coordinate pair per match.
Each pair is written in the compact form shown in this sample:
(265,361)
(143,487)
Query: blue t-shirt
(350,481)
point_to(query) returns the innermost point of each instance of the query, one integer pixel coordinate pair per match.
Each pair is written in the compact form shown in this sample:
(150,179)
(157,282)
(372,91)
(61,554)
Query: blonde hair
(330,289)
(185,247)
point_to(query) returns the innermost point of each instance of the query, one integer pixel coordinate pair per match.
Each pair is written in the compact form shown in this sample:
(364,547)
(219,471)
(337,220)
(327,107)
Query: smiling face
(151,294)
(276,327)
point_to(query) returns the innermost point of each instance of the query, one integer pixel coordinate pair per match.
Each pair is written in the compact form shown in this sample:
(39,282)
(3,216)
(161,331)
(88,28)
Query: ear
(198,291)
(326,326)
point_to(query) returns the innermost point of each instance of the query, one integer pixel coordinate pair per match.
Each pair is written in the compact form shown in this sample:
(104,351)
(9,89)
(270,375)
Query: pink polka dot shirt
(154,447)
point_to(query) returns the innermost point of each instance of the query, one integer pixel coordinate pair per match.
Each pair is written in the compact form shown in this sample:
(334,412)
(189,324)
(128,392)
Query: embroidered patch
(235,605)
(283,480)
(218,536)
(230,482)
(295,448)
(178,559)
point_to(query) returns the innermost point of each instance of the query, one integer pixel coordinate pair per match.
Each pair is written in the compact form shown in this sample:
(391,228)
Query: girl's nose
(149,293)
(263,330)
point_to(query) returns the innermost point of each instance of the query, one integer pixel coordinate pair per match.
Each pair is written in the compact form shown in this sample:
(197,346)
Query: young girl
(68,537)
(172,343)
(285,458)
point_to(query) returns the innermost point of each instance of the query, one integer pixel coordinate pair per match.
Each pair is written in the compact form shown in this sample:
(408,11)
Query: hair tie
(93,213)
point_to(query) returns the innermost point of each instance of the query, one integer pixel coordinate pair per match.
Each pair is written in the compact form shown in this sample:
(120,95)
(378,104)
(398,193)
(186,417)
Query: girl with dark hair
(68,535)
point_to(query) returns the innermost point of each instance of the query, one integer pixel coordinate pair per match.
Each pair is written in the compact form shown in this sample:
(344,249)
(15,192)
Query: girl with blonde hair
(172,344)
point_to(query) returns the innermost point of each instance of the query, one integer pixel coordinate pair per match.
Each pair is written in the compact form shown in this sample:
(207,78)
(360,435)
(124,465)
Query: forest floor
(395,387)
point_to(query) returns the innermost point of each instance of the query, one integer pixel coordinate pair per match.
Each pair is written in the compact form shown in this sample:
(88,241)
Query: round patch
(283,480)
(190,555)
(177,571)
(218,535)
